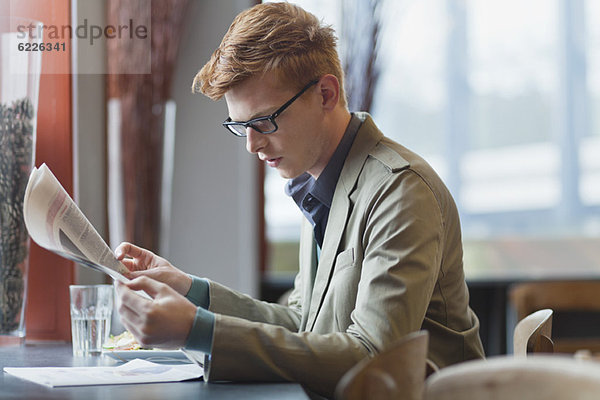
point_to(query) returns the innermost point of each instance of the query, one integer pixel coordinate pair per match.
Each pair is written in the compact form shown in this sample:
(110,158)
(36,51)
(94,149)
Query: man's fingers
(148,285)
(129,314)
(131,321)
(134,264)
(154,273)
(135,273)
(128,249)
(122,250)
(132,298)
(129,263)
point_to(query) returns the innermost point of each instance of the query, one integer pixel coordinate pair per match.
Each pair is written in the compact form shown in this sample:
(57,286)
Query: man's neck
(339,122)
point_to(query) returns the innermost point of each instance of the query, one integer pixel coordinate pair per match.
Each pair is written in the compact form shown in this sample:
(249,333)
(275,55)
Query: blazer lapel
(308,267)
(366,138)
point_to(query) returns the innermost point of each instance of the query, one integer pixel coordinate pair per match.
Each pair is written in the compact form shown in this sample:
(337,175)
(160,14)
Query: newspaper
(56,223)
(135,371)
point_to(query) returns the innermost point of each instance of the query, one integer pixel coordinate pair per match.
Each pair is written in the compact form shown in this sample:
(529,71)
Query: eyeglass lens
(262,126)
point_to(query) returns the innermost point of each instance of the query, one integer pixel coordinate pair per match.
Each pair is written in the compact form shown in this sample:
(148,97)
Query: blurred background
(502,97)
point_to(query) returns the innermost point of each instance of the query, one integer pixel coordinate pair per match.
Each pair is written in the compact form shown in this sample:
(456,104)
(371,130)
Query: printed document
(56,223)
(135,371)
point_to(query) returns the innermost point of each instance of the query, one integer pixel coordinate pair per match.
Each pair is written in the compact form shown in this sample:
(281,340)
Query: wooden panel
(47,313)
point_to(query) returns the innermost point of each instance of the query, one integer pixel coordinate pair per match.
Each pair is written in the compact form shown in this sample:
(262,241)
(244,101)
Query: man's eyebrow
(259,114)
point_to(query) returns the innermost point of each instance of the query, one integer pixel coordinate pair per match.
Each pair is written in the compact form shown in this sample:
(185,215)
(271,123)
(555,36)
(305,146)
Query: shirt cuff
(201,334)
(198,293)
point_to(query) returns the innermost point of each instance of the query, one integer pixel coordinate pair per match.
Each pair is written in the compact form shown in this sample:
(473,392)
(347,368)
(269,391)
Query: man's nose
(254,140)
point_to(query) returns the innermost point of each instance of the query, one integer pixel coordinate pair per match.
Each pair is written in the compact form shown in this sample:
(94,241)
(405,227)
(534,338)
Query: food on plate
(124,341)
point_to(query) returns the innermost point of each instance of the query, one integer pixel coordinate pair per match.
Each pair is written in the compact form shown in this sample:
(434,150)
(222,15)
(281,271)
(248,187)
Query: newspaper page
(135,371)
(56,223)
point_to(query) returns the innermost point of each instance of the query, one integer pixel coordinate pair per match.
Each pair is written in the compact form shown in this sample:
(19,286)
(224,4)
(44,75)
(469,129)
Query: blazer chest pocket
(344,260)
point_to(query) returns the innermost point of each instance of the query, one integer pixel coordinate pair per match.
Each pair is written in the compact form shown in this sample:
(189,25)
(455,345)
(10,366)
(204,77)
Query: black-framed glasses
(264,124)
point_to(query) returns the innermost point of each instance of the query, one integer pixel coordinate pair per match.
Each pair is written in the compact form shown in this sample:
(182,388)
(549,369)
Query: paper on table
(135,371)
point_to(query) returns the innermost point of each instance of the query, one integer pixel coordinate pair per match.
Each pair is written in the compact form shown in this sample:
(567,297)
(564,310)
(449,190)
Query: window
(502,97)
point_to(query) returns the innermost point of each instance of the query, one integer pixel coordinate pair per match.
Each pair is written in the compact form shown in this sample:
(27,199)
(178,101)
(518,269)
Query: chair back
(537,377)
(396,373)
(566,299)
(533,334)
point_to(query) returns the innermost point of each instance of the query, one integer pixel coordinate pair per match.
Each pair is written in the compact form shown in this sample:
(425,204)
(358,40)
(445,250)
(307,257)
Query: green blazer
(391,264)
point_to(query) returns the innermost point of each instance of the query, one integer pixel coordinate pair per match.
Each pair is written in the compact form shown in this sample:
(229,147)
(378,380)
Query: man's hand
(142,262)
(164,322)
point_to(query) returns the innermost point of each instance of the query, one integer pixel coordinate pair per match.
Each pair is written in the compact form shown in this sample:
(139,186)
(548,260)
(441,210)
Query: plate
(165,356)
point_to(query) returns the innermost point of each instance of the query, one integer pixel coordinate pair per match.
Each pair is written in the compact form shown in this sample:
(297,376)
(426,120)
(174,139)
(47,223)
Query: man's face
(298,144)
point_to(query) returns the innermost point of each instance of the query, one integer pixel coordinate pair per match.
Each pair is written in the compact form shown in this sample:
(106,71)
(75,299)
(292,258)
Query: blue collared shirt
(314,197)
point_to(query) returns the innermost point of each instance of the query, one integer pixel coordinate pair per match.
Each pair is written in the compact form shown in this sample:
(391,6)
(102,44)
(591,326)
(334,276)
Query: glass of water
(91,309)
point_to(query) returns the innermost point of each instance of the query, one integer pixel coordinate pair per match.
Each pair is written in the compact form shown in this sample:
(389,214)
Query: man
(380,251)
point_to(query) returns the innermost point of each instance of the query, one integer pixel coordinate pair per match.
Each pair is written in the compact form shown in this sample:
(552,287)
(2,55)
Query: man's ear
(329,88)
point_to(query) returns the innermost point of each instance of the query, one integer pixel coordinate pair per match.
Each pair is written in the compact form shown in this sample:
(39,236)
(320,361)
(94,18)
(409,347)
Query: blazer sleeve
(226,301)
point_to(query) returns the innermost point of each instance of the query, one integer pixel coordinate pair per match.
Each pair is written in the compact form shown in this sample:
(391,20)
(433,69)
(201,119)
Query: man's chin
(288,174)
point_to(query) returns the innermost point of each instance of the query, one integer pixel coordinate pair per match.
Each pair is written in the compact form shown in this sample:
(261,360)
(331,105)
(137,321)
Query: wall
(89,124)
(213,222)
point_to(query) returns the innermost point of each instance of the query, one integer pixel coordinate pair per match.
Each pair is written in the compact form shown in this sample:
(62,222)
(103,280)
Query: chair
(537,377)
(574,304)
(533,334)
(396,373)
